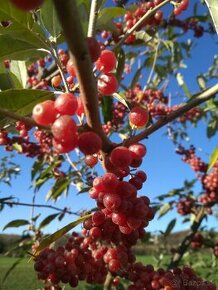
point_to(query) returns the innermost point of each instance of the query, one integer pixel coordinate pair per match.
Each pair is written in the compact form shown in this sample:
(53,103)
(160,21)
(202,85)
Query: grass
(23,277)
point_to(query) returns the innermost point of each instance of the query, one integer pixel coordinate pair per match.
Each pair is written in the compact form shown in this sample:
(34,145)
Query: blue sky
(164,168)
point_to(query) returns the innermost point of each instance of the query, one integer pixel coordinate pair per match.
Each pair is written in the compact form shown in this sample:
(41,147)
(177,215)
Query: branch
(108,281)
(145,17)
(11,203)
(93,18)
(187,240)
(69,18)
(198,99)
(26,120)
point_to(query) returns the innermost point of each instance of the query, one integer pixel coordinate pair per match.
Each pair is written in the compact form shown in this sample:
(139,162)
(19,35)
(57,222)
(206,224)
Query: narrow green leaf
(13,266)
(212,128)
(18,68)
(60,186)
(16,223)
(164,209)
(106,16)
(17,147)
(201,82)
(58,234)
(213,8)
(120,64)
(51,23)
(121,99)
(182,84)
(107,103)
(170,227)
(47,220)
(213,158)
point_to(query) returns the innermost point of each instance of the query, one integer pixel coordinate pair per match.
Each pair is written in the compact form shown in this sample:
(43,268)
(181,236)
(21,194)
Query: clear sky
(164,168)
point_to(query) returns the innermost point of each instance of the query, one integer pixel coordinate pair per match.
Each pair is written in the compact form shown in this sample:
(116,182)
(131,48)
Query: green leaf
(47,220)
(22,27)
(60,186)
(213,158)
(107,103)
(8,80)
(170,227)
(21,101)
(16,224)
(164,209)
(201,82)
(106,16)
(58,234)
(13,266)
(182,84)
(50,19)
(36,168)
(121,99)
(142,35)
(18,68)
(20,50)
(212,128)
(120,54)
(213,8)
(17,147)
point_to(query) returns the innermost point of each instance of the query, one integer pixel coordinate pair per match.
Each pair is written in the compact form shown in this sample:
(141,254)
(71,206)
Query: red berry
(138,117)
(107,84)
(107,61)
(66,104)
(89,143)
(27,4)
(91,160)
(94,48)
(121,157)
(111,201)
(70,68)
(44,113)
(56,81)
(137,150)
(98,218)
(64,128)
(65,147)
(80,107)
(114,265)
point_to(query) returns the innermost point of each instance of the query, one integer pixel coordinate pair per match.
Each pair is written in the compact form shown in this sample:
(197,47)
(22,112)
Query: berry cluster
(197,241)
(180,7)
(69,264)
(185,205)
(145,277)
(118,201)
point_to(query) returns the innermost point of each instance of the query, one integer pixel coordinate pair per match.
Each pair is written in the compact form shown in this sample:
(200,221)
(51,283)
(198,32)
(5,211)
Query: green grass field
(23,277)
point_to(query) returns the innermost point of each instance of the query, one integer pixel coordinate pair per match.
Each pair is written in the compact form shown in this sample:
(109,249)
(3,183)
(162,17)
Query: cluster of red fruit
(186,205)
(145,277)
(118,200)
(197,241)
(209,180)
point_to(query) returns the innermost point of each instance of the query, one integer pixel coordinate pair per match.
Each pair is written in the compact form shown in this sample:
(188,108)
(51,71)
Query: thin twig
(194,102)
(93,18)
(12,203)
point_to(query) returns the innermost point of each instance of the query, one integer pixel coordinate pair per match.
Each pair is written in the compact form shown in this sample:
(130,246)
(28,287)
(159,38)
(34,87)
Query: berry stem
(141,20)
(69,18)
(108,281)
(93,18)
(195,101)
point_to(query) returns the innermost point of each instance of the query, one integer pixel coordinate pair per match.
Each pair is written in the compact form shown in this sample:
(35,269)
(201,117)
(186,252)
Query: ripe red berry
(89,143)
(64,128)
(107,84)
(98,218)
(44,113)
(66,104)
(65,147)
(80,107)
(121,157)
(107,61)
(94,48)
(27,4)
(71,68)
(137,150)
(91,160)
(138,117)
